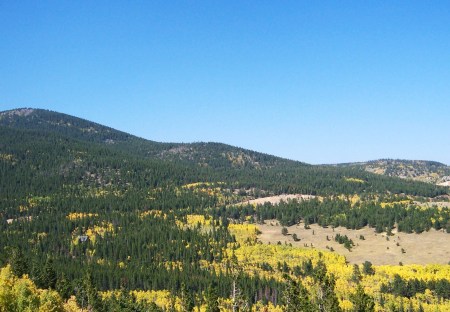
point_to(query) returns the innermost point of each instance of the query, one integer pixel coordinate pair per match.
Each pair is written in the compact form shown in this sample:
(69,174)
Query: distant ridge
(62,143)
(418,170)
(204,153)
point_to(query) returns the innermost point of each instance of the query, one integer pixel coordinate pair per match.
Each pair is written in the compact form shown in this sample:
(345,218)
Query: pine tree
(63,287)
(187,300)
(356,275)
(211,296)
(295,297)
(326,299)
(87,295)
(36,273)
(18,263)
(49,277)
(361,301)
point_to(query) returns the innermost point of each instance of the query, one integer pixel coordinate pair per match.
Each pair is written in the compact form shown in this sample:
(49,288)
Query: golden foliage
(356,180)
(80,215)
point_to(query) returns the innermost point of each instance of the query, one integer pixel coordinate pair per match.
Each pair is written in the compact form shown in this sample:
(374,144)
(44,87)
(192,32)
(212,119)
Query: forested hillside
(115,222)
(419,170)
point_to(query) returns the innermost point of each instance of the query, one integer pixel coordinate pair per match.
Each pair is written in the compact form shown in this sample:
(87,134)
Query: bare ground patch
(432,247)
(274,200)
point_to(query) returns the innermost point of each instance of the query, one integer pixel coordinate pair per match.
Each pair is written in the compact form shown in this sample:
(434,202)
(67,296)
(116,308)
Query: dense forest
(106,221)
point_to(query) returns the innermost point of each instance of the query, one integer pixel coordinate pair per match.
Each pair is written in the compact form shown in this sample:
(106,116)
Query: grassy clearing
(432,247)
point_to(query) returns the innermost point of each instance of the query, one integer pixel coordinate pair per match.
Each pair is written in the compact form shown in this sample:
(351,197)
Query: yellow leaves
(430,272)
(172,265)
(155,213)
(162,298)
(400,202)
(32,202)
(71,305)
(346,305)
(267,308)
(42,235)
(50,301)
(251,256)
(80,215)
(20,294)
(201,184)
(92,233)
(8,158)
(355,180)
(103,228)
(211,189)
(102,261)
(195,219)
(244,232)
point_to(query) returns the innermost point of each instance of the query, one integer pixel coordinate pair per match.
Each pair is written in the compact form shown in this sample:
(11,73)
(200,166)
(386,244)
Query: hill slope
(98,207)
(69,149)
(418,170)
(204,154)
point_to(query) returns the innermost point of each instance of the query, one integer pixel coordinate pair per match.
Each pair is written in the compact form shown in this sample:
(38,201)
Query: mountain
(52,149)
(418,170)
(214,155)
(84,207)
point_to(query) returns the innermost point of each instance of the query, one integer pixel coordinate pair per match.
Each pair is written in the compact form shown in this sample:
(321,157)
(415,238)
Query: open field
(277,199)
(433,204)
(431,247)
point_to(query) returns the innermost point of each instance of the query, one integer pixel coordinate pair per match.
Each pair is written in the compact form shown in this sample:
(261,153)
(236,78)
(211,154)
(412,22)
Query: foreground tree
(18,262)
(295,297)
(326,299)
(361,301)
(212,297)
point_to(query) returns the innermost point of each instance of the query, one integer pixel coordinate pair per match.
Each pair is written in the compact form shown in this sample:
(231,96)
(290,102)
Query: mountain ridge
(31,118)
(419,170)
(192,161)
(116,136)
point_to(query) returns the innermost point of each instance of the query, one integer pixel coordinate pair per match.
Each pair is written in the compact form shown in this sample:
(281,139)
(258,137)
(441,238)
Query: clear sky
(316,81)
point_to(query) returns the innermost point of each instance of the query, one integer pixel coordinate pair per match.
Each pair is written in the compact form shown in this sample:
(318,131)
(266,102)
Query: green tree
(63,287)
(87,295)
(295,297)
(356,275)
(326,300)
(18,262)
(49,277)
(367,268)
(361,301)
(212,297)
(187,299)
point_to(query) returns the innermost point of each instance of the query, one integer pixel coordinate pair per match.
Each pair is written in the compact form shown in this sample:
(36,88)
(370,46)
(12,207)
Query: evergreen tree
(87,294)
(295,297)
(356,275)
(326,299)
(36,273)
(18,262)
(361,301)
(49,277)
(187,299)
(63,287)
(212,297)
(367,268)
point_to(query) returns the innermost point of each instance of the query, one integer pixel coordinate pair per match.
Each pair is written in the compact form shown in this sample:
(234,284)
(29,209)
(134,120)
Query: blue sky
(316,81)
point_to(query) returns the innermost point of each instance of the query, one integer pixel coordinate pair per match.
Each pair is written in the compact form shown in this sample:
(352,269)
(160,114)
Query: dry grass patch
(274,200)
(432,247)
